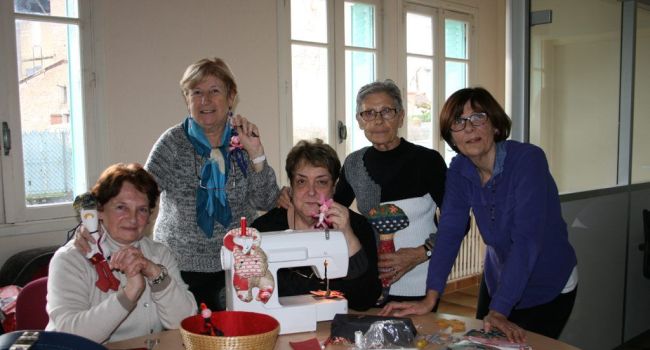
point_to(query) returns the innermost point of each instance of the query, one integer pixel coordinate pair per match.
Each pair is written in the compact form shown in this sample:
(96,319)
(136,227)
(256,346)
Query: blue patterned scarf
(211,201)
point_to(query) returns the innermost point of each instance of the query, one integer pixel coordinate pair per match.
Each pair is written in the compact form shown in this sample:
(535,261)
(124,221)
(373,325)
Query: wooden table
(171,340)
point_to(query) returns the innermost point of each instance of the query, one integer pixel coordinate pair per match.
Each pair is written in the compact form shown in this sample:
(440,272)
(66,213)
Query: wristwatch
(161,277)
(427,250)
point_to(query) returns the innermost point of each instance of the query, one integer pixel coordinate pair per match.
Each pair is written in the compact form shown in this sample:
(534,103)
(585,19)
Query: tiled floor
(460,302)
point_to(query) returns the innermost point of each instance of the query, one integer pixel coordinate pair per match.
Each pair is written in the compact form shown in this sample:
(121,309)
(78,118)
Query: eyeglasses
(199,95)
(476,119)
(371,114)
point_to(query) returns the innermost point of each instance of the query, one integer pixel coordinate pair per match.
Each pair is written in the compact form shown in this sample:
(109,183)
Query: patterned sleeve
(159,160)
(264,190)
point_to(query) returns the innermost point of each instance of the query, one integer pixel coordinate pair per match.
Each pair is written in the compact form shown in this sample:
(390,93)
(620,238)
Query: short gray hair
(387,86)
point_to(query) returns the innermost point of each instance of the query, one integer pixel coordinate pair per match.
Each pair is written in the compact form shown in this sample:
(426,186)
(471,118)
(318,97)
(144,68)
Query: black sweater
(362,286)
(406,171)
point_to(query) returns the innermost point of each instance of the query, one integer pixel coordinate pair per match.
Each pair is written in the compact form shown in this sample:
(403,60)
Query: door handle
(342,131)
(6,137)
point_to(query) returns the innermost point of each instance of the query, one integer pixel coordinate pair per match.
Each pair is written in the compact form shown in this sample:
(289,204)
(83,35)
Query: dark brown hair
(481,101)
(315,153)
(111,180)
(205,67)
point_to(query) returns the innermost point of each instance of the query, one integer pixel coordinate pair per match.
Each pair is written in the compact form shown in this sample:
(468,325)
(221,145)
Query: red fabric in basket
(233,323)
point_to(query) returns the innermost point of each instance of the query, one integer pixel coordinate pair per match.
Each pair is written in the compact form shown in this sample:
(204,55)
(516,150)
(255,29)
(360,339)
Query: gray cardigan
(176,167)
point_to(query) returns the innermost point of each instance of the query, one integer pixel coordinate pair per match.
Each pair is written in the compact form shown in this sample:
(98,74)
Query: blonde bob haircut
(204,68)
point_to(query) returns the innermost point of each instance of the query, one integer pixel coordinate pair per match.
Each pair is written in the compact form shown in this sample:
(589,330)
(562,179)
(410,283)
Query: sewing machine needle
(327,282)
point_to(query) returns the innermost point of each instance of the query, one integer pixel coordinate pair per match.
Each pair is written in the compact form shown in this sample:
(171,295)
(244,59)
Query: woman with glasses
(211,170)
(530,275)
(395,182)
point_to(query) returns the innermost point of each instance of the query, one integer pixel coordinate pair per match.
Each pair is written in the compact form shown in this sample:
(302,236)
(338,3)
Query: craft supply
(208,327)
(325,205)
(86,205)
(456,325)
(387,219)
(358,339)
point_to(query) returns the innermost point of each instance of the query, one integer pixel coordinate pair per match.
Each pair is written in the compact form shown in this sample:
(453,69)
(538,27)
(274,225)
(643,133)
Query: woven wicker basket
(243,330)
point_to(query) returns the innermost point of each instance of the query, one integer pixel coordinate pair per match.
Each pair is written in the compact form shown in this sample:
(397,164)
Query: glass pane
(455,77)
(574,101)
(360,25)
(309,20)
(310,92)
(641,137)
(419,37)
(455,39)
(360,68)
(59,8)
(50,103)
(419,100)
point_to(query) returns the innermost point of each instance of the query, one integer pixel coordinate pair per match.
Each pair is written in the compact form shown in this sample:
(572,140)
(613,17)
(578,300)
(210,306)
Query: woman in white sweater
(140,290)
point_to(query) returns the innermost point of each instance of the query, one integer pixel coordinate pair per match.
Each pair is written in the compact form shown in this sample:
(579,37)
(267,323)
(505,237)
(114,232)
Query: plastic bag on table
(388,334)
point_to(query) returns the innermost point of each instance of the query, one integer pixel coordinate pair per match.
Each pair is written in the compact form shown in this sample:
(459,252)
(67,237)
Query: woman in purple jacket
(530,277)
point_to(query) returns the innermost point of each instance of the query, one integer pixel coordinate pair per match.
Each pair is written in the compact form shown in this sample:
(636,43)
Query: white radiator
(470,256)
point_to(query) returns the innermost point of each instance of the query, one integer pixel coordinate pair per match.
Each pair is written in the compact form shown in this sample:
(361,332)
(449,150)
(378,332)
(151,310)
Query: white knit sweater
(75,305)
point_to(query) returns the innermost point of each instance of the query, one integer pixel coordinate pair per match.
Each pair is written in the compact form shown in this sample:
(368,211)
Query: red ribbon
(106,280)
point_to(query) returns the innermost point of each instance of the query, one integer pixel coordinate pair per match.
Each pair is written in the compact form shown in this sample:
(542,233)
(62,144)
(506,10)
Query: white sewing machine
(295,249)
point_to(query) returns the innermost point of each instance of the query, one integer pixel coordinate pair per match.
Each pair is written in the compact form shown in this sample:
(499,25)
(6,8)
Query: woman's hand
(395,265)
(131,262)
(83,239)
(284,199)
(249,136)
(405,308)
(497,320)
(339,217)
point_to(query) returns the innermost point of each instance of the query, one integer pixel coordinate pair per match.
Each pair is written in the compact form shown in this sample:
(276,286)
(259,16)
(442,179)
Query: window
(310,56)
(43,163)
(437,64)
(360,63)
(328,66)
(335,49)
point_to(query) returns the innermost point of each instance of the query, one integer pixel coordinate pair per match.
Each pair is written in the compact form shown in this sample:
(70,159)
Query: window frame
(336,82)
(391,58)
(440,12)
(13,210)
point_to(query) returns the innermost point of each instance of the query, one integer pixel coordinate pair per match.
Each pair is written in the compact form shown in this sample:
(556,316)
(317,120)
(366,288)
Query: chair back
(30,306)
(26,266)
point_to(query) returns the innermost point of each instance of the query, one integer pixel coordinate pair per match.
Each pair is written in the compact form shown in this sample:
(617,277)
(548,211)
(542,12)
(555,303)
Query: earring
(229,112)
(496,131)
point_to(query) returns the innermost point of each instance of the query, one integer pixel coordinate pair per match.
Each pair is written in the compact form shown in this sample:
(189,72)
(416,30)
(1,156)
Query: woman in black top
(313,169)
(399,175)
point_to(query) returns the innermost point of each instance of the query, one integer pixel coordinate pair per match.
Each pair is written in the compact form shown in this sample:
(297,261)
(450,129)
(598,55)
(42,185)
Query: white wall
(142,48)
(145,47)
